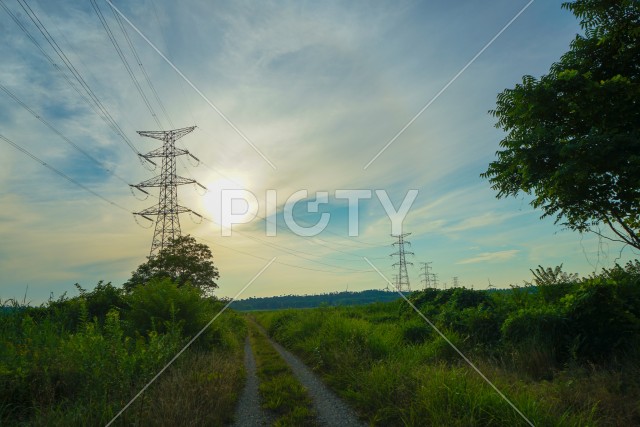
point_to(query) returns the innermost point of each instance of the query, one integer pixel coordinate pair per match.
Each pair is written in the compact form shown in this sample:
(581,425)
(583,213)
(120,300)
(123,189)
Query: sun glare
(229,196)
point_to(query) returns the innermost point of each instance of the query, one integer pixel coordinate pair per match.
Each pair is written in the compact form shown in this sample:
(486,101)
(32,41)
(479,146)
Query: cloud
(319,87)
(498,256)
(487,219)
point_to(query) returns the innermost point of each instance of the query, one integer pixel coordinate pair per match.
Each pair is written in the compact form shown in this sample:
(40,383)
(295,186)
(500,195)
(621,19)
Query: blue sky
(320,88)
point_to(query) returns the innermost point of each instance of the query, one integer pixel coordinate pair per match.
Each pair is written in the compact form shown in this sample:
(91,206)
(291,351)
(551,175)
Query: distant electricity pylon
(426,277)
(395,281)
(167,210)
(455,281)
(434,277)
(402,282)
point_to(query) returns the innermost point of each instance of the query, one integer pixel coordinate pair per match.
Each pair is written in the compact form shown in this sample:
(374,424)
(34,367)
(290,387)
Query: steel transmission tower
(167,209)
(402,282)
(395,280)
(434,276)
(425,275)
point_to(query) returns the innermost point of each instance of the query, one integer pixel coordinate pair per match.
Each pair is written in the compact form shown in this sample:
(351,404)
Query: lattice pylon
(167,226)
(402,283)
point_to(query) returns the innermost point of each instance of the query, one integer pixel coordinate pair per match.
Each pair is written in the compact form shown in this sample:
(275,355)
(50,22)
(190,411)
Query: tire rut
(331,410)
(248,410)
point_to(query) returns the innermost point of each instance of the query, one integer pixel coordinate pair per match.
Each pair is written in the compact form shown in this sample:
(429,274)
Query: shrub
(544,325)
(553,283)
(103,298)
(604,317)
(162,304)
(416,331)
(462,298)
(480,324)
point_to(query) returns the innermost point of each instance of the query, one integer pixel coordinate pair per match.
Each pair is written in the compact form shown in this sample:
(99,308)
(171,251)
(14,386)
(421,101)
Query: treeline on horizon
(336,299)
(343,298)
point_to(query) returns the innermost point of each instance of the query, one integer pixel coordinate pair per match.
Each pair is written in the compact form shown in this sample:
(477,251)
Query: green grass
(281,393)
(394,374)
(69,363)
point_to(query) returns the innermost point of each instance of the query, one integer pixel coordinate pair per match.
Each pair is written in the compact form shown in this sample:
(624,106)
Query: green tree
(552,276)
(573,136)
(183,260)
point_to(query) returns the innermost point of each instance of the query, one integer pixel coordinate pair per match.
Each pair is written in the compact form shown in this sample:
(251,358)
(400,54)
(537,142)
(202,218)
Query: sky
(286,96)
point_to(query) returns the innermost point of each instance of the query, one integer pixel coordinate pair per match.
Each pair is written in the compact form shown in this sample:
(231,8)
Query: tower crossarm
(401,263)
(162,152)
(163,135)
(155,210)
(403,242)
(143,158)
(158,181)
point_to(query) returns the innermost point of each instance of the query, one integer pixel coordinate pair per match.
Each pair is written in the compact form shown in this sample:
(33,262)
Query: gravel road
(332,411)
(248,412)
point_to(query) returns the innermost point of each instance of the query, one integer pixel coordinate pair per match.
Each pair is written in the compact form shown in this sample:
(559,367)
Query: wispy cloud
(498,256)
(320,86)
(484,220)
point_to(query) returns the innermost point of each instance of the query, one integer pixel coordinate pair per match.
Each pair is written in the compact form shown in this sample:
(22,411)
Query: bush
(480,324)
(462,298)
(161,304)
(416,331)
(544,325)
(103,298)
(604,317)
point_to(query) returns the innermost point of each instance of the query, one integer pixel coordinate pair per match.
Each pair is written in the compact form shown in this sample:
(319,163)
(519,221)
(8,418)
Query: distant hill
(311,301)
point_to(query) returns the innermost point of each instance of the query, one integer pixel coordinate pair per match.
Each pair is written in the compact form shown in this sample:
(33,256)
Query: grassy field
(78,361)
(564,354)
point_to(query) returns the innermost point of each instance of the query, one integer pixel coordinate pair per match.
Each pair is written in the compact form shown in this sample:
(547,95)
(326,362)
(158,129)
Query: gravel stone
(248,412)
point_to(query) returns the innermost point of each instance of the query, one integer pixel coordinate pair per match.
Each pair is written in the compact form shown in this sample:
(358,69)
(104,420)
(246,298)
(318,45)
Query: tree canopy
(183,261)
(573,136)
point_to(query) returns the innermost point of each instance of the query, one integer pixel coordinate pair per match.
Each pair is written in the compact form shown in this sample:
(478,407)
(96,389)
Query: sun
(238,199)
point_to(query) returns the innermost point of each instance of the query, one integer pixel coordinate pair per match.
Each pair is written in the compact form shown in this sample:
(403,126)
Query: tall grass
(388,363)
(78,361)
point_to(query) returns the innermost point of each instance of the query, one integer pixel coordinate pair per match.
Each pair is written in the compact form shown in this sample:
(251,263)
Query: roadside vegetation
(312,301)
(80,360)
(281,393)
(564,350)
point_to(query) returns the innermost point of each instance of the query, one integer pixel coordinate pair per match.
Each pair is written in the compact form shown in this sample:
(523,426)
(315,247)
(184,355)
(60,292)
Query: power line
(142,69)
(59,173)
(280,262)
(290,252)
(89,95)
(123,59)
(57,132)
(114,42)
(111,202)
